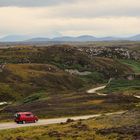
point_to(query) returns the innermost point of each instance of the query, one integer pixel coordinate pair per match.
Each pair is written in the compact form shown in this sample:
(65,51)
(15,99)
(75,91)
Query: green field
(132,63)
(126,87)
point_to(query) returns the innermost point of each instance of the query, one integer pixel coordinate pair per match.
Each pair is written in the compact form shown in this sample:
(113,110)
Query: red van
(25,117)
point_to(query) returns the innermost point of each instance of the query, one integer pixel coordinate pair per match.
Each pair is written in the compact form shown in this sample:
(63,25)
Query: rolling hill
(83,38)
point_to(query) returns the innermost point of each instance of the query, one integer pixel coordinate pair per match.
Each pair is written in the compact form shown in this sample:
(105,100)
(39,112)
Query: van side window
(28,115)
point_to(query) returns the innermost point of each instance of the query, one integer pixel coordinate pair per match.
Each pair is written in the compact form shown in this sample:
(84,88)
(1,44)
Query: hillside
(44,69)
(135,65)
(18,81)
(40,80)
(64,57)
(125,86)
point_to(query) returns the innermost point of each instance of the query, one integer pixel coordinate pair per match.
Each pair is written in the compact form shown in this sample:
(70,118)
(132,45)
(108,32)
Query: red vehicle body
(25,117)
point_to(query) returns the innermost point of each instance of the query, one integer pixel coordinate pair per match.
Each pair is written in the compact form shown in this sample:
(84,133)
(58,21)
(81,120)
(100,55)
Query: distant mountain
(84,38)
(109,39)
(78,39)
(14,38)
(64,39)
(39,39)
(135,38)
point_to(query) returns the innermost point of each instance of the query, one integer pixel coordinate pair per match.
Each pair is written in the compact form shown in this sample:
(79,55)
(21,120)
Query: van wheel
(23,122)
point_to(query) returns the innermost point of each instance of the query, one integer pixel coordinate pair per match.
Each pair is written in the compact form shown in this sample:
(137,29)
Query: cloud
(70,17)
(28,21)
(32,3)
(98,8)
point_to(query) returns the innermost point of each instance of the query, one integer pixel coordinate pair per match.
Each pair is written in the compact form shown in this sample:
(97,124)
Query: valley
(52,82)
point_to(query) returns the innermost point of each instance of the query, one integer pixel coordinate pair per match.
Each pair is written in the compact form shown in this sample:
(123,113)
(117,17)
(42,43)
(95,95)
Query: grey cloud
(32,3)
(97,10)
(133,12)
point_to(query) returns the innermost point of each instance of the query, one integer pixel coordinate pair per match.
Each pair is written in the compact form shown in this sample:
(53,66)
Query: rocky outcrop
(111,52)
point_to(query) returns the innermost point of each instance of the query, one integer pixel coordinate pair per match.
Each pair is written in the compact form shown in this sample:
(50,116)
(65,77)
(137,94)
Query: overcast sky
(70,17)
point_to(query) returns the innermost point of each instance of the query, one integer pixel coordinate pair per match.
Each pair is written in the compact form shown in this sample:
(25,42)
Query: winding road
(94,90)
(12,125)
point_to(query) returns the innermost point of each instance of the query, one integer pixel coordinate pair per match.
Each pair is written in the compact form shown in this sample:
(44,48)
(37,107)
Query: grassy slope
(124,86)
(114,127)
(132,63)
(21,80)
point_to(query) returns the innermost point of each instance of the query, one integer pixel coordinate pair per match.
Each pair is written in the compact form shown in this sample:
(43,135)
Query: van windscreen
(17,115)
